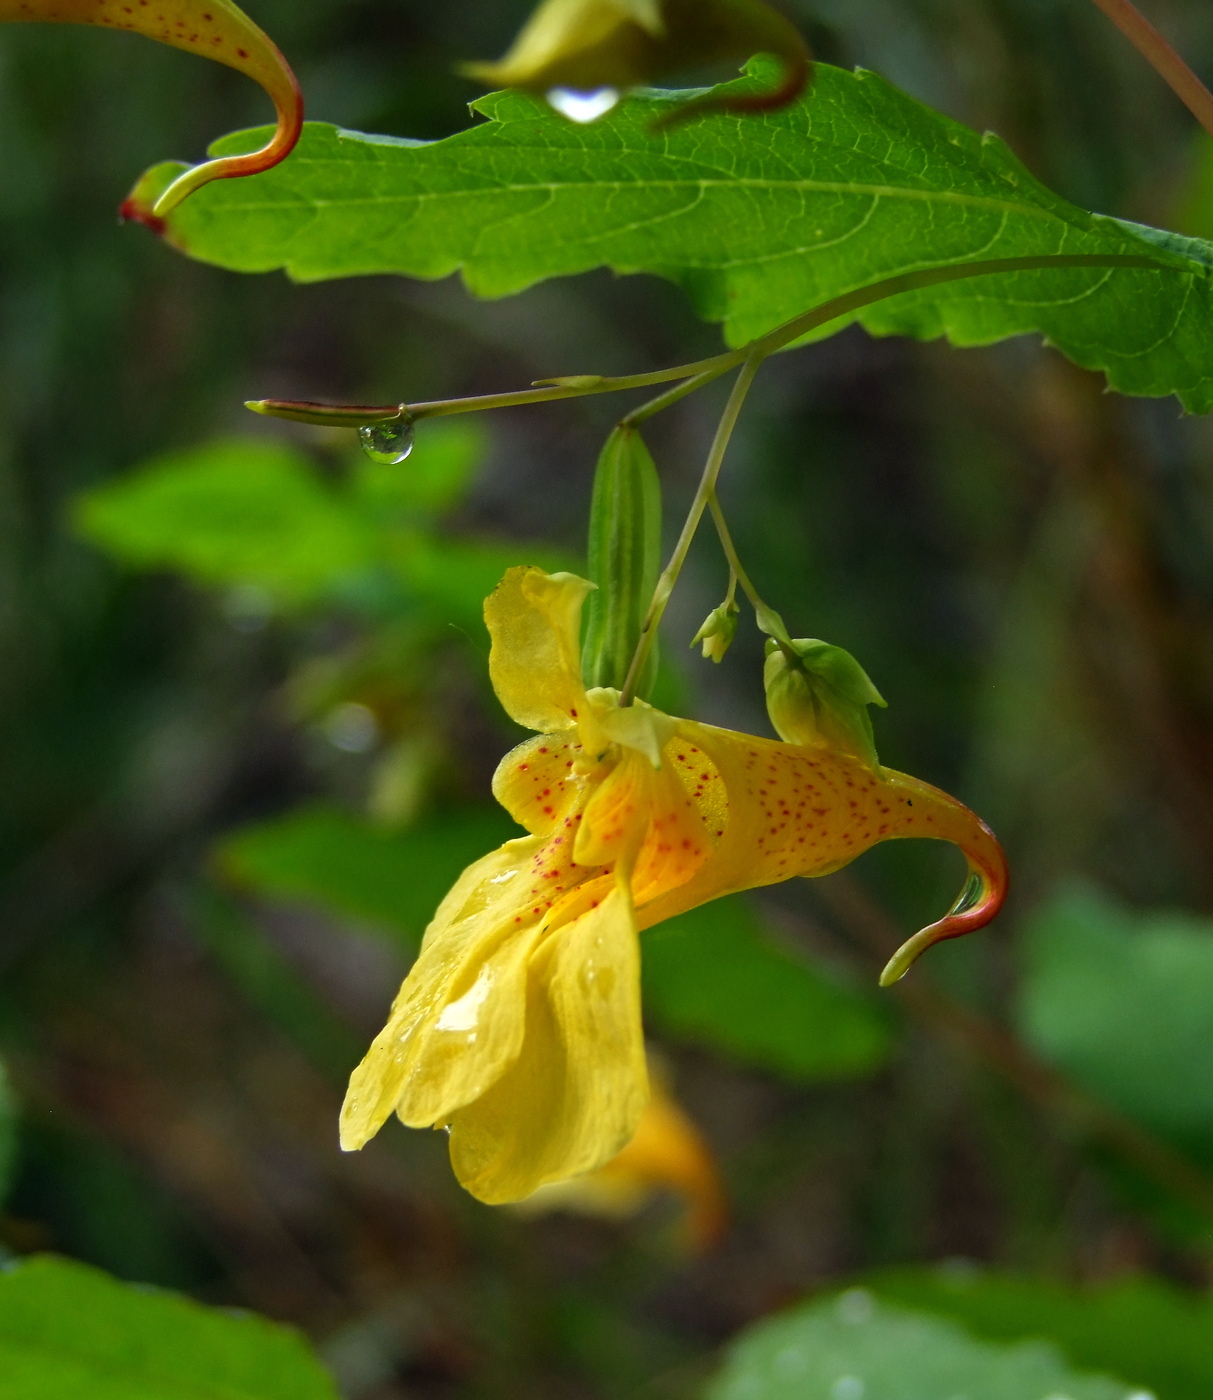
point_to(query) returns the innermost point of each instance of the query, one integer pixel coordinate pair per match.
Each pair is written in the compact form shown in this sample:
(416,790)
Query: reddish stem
(1162,58)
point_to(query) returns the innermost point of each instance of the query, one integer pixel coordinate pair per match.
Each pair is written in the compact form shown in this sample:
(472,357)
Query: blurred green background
(246,739)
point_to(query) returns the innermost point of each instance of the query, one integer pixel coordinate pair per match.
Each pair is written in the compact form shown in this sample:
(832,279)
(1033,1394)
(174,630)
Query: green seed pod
(821,700)
(625,559)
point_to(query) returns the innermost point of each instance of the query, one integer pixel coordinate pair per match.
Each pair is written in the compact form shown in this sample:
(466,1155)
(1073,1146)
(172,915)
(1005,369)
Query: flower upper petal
(574,1096)
(534,620)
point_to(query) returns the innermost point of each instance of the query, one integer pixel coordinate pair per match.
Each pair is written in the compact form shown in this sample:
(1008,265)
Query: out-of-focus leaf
(67,1330)
(272,984)
(8,1133)
(1142,1329)
(237,512)
(395,879)
(454,577)
(855,1347)
(758,220)
(715,976)
(432,479)
(1123,1003)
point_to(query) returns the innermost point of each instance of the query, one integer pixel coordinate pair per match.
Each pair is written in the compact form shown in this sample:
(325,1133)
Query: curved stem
(1160,55)
(671,396)
(699,372)
(704,493)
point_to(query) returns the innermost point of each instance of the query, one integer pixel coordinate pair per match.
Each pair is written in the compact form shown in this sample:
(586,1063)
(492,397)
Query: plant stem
(807,321)
(700,372)
(671,396)
(703,494)
(1159,54)
(767,616)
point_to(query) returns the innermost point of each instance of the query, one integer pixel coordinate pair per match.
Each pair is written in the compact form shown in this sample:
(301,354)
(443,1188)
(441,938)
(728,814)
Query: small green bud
(625,560)
(821,699)
(718,630)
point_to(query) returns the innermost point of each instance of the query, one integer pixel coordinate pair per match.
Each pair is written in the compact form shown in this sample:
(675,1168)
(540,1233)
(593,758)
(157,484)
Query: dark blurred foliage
(1023,563)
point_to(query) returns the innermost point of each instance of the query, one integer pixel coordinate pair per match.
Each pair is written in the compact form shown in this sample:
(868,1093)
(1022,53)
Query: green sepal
(821,699)
(625,559)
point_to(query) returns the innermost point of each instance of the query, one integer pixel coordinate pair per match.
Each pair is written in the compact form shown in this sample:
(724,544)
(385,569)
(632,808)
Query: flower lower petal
(574,1096)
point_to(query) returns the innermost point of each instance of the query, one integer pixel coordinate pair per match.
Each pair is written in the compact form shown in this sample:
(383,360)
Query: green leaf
(758,219)
(395,879)
(1143,1329)
(855,1347)
(271,983)
(8,1133)
(238,512)
(71,1331)
(1123,1003)
(716,977)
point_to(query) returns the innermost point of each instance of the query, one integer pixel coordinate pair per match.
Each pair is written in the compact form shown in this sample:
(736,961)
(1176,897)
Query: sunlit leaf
(758,219)
(1143,1329)
(71,1331)
(716,977)
(238,512)
(856,1347)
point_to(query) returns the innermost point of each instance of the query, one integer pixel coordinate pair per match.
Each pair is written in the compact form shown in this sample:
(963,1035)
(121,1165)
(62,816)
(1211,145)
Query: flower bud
(821,698)
(718,630)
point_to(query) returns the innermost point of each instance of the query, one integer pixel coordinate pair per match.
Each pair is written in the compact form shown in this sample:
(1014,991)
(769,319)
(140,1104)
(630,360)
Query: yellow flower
(666,1154)
(518,1028)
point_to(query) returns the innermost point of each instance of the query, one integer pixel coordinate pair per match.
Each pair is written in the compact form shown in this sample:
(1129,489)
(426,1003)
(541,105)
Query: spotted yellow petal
(458,1022)
(539,780)
(778,810)
(667,1153)
(534,620)
(575,1094)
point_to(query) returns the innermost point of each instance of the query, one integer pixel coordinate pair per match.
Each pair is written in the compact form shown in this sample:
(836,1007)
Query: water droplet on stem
(389,442)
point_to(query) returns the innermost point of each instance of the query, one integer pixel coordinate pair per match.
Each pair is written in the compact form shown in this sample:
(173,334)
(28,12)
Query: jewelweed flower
(518,1029)
(667,1154)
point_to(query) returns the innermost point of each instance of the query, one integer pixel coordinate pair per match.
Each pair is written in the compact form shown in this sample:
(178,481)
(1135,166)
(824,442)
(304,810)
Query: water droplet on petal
(583,106)
(389,442)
